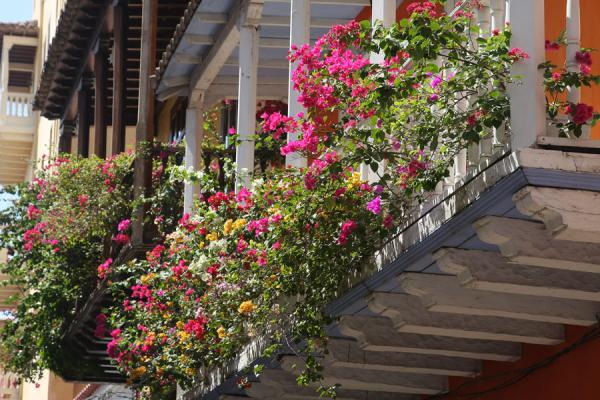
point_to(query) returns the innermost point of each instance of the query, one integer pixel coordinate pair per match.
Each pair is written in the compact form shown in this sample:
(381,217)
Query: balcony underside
(15,153)
(508,259)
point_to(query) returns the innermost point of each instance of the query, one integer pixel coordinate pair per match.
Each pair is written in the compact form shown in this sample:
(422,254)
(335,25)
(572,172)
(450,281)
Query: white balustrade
(573,33)
(18,105)
(16,109)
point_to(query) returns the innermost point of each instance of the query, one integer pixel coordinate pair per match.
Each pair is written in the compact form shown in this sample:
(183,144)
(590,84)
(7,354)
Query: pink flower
(232,131)
(121,238)
(310,182)
(104,268)
(83,199)
(375,205)
(551,46)
(517,54)
(100,331)
(388,221)
(33,212)
(241,245)
(584,58)
(124,225)
(347,229)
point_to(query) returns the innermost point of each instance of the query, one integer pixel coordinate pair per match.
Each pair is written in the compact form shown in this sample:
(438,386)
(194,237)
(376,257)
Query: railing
(528,122)
(16,108)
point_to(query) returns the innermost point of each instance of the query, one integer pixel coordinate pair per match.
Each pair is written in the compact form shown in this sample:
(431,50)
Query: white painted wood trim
(248,79)
(573,32)
(194,121)
(528,104)
(299,35)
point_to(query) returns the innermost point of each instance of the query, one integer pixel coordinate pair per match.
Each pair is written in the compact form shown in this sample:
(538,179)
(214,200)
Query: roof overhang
(203,54)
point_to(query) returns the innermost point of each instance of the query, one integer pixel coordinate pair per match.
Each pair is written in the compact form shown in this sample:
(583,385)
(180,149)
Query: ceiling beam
(272,63)
(273,20)
(225,42)
(354,3)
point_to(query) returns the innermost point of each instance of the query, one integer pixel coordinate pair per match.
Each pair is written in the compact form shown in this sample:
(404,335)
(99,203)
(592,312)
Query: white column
(527,101)
(299,35)
(194,120)
(573,33)
(248,71)
(385,12)
(497,14)
(4,75)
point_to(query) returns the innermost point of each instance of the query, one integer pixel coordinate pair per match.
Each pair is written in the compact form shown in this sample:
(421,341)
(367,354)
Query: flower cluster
(570,119)
(264,262)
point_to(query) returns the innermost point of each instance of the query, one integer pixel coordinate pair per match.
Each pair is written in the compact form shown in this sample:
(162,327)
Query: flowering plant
(568,117)
(62,231)
(265,262)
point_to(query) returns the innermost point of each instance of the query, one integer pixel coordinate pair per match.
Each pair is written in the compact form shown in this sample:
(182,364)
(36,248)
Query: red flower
(517,54)
(581,113)
(121,238)
(551,46)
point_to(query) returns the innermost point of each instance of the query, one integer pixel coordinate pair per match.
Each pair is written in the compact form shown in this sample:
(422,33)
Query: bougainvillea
(569,118)
(60,231)
(263,263)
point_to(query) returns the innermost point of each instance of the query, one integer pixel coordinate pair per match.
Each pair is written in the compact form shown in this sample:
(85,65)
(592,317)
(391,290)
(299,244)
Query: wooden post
(528,104)
(119,105)
(66,136)
(83,118)
(144,130)
(100,94)
(194,120)
(299,35)
(248,72)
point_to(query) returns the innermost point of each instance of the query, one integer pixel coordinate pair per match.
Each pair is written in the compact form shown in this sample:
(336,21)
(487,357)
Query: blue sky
(16,10)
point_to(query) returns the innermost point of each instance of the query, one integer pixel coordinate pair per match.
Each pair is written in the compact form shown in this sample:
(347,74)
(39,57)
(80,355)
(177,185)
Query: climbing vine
(263,262)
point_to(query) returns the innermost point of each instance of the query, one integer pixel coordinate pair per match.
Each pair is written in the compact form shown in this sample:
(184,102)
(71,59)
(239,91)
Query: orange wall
(555,17)
(574,376)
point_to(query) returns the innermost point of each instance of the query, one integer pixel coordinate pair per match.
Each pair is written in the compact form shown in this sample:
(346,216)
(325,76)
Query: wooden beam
(272,63)
(100,93)
(145,125)
(224,44)
(119,76)
(83,120)
(351,3)
(66,136)
(273,20)
(184,58)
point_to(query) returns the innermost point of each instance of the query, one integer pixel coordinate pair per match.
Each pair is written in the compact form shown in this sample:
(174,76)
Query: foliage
(264,263)
(60,230)
(568,117)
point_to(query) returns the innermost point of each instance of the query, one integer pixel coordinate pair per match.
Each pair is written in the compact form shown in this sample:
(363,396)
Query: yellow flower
(201,245)
(239,223)
(212,236)
(221,332)
(227,228)
(136,373)
(246,307)
(354,180)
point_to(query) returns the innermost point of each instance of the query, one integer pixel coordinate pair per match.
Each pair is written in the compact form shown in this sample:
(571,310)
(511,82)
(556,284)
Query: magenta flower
(121,238)
(375,205)
(124,225)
